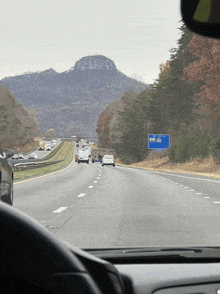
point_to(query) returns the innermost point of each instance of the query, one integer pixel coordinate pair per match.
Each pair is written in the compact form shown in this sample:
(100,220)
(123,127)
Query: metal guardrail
(32,165)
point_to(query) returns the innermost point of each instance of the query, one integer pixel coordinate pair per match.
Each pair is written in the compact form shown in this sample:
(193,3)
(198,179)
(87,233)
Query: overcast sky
(40,34)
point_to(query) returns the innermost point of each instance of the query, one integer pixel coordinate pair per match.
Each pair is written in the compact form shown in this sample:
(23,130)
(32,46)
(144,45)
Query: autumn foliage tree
(184,102)
(18,126)
(108,129)
(206,69)
(103,128)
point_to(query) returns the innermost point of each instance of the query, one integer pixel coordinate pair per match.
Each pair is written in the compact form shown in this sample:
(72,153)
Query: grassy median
(67,151)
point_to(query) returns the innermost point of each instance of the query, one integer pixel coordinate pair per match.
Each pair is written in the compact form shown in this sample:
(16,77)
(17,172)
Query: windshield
(124,78)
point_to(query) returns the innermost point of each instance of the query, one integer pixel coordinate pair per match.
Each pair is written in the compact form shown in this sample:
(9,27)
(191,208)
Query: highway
(40,155)
(91,206)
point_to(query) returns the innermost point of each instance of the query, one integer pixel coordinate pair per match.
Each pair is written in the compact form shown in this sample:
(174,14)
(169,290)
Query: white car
(108,160)
(32,156)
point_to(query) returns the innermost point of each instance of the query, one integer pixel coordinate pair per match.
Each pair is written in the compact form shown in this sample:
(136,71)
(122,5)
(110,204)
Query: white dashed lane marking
(207,197)
(216,202)
(60,209)
(198,193)
(81,195)
(95,182)
(90,187)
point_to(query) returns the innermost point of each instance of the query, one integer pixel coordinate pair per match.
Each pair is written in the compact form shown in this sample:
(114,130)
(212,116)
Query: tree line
(183,102)
(18,126)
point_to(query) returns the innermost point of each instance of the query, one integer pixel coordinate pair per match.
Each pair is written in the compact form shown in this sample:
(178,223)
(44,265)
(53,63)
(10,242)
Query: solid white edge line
(190,178)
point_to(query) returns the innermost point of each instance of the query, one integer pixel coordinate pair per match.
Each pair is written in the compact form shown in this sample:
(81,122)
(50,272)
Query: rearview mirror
(202,16)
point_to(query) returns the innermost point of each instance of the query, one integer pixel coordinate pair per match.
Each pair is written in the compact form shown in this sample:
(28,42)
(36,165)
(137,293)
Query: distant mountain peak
(70,102)
(94,62)
(50,71)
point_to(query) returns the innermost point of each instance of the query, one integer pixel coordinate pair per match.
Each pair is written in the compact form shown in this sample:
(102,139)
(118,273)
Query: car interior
(34,261)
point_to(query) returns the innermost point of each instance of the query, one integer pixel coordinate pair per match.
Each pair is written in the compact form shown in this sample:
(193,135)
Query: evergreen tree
(134,126)
(173,99)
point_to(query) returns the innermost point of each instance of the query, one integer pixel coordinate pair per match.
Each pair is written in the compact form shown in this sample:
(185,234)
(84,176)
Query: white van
(83,156)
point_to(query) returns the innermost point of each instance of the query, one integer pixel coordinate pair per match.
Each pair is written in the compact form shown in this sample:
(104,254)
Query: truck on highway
(83,156)
(53,143)
(41,146)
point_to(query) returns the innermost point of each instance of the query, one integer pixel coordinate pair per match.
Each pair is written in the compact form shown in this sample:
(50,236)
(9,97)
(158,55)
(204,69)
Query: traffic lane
(80,147)
(130,207)
(41,196)
(206,187)
(26,160)
(40,155)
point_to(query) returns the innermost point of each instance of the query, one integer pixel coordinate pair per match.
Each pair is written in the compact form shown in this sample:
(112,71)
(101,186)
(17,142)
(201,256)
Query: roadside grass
(47,169)
(53,152)
(61,153)
(94,146)
(198,166)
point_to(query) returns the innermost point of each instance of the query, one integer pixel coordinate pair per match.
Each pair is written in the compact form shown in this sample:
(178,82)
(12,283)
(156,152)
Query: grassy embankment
(94,146)
(203,167)
(65,151)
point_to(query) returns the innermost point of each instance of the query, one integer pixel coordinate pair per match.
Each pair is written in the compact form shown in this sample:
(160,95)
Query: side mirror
(202,16)
(9,153)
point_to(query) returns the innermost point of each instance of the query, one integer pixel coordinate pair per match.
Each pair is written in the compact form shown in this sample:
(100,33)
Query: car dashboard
(30,253)
(154,274)
(172,278)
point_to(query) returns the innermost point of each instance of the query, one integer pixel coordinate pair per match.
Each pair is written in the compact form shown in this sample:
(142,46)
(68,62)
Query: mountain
(70,102)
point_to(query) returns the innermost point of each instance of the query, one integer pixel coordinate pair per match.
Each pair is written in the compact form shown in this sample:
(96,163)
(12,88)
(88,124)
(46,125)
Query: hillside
(71,101)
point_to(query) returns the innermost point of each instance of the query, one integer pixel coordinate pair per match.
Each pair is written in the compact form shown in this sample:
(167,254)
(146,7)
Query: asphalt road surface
(91,206)
(40,155)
